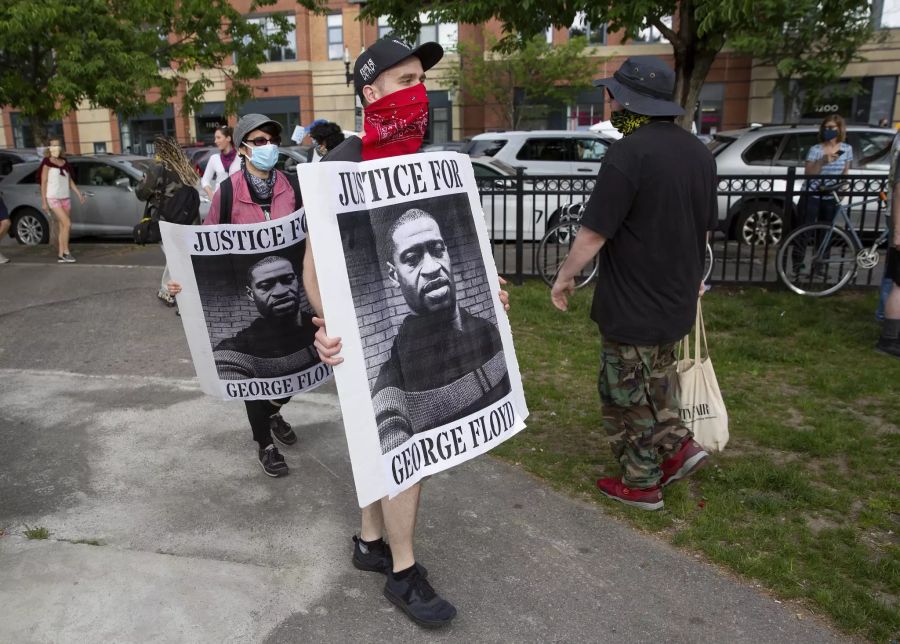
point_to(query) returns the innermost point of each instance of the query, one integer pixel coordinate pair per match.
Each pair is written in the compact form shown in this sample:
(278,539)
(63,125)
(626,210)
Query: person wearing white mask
(56,181)
(222,164)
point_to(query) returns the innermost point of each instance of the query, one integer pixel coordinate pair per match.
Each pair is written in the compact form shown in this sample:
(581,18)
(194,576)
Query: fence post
(789,202)
(520,224)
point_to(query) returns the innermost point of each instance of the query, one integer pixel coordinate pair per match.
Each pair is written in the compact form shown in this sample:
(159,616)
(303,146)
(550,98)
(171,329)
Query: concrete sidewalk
(106,437)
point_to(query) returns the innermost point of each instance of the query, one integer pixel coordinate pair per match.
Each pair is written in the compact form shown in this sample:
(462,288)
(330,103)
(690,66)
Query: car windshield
(485,147)
(719,143)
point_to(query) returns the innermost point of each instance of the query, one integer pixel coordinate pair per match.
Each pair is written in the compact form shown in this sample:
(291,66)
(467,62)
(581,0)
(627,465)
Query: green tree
(808,42)
(697,30)
(55,54)
(539,75)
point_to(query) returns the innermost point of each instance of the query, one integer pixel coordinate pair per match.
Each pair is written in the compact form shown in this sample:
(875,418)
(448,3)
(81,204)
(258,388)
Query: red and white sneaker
(647,499)
(689,458)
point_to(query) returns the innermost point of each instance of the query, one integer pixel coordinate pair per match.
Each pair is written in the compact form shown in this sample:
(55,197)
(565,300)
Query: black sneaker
(65,258)
(281,430)
(376,558)
(415,597)
(272,461)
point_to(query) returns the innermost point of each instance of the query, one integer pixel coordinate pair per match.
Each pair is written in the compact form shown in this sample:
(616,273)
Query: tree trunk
(789,98)
(694,56)
(39,131)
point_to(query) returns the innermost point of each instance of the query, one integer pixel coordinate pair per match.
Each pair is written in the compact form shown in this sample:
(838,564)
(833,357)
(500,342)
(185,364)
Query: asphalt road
(107,438)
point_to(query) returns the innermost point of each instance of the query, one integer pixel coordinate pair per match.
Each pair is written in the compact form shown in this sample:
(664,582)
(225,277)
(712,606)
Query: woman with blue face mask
(259,193)
(831,155)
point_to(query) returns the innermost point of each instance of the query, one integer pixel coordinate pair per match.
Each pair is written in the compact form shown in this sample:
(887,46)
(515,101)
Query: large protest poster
(246,316)
(430,378)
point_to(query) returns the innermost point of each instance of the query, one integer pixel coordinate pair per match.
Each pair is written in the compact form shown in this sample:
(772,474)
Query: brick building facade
(306,80)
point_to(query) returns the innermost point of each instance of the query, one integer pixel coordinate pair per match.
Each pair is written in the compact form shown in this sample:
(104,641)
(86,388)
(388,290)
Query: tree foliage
(56,54)
(809,41)
(697,31)
(537,74)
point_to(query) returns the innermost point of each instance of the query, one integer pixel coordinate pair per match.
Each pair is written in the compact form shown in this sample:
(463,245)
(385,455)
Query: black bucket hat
(644,85)
(387,52)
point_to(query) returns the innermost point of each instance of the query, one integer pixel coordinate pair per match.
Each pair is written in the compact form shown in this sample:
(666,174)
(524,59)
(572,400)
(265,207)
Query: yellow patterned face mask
(627,122)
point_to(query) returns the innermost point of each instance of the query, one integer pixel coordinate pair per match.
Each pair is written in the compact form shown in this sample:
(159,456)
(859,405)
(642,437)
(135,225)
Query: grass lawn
(806,496)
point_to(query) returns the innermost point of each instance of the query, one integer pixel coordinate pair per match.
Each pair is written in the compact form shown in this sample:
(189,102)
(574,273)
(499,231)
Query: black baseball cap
(387,52)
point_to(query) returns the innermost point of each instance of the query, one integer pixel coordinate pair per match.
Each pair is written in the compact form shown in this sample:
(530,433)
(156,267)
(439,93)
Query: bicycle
(820,259)
(558,239)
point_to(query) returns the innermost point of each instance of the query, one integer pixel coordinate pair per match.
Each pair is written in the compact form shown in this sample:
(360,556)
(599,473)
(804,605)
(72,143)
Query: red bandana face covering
(395,124)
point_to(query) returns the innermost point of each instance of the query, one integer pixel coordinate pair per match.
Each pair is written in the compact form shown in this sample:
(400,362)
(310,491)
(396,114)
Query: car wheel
(760,224)
(31,227)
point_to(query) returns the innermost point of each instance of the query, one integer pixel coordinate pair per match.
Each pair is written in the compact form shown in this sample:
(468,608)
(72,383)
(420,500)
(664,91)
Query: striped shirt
(816,153)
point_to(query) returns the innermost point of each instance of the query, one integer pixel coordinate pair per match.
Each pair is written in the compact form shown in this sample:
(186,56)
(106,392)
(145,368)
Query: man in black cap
(388,77)
(649,216)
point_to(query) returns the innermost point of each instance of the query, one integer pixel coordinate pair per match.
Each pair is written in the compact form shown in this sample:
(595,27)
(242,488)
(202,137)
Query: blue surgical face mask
(828,135)
(264,157)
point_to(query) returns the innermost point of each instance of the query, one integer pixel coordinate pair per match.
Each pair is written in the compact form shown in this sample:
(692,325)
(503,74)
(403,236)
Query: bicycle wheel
(554,249)
(817,260)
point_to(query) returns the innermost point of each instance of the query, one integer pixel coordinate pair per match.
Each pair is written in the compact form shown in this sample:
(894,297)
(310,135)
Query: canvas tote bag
(702,408)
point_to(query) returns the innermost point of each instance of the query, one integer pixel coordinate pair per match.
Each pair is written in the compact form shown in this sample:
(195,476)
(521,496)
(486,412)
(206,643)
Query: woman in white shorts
(56,181)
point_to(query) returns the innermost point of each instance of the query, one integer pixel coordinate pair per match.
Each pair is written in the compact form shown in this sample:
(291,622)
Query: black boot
(889,342)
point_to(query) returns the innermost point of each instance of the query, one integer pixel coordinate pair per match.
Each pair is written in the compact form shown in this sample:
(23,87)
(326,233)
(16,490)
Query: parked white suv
(768,151)
(543,152)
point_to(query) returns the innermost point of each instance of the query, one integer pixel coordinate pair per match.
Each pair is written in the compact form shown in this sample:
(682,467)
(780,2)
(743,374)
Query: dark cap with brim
(644,85)
(386,52)
(248,123)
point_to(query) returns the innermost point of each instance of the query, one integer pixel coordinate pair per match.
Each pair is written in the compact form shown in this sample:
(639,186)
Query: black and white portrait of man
(444,362)
(279,337)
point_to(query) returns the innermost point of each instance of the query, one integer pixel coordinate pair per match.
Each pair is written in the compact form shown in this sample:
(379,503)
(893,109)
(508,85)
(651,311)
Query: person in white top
(56,180)
(221,165)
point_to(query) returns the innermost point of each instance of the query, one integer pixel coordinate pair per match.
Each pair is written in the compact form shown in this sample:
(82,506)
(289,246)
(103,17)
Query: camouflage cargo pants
(639,390)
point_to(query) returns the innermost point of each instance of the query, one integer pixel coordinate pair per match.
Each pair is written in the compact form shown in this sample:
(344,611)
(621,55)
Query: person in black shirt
(414,393)
(653,204)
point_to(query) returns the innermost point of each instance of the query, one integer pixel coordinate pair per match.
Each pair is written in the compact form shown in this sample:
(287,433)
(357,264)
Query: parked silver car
(768,151)
(111,208)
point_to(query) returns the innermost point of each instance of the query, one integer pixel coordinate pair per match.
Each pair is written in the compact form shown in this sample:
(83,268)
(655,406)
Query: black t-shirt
(654,201)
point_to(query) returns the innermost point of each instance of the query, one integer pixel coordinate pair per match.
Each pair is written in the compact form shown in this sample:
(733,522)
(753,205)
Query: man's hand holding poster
(408,282)
(245,313)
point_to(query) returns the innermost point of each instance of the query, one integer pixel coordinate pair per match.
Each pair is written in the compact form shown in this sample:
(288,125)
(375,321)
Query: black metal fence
(756,212)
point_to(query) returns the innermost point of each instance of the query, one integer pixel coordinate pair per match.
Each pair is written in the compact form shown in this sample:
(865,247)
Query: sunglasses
(261,140)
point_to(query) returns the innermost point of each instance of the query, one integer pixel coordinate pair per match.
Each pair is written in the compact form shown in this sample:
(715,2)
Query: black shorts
(892,269)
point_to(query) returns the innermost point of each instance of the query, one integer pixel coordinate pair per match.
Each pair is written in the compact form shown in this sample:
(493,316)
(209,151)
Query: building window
(335,36)
(586,110)
(279,53)
(23,134)
(595,35)
(383,27)
(873,105)
(444,33)
(651,35)
(709,108)
(890,13)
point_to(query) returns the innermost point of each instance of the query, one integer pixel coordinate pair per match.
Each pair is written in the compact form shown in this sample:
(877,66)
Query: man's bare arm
(587,244)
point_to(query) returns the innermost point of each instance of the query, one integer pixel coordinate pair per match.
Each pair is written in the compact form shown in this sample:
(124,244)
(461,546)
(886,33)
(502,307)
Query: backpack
(226,197)
(180,205)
